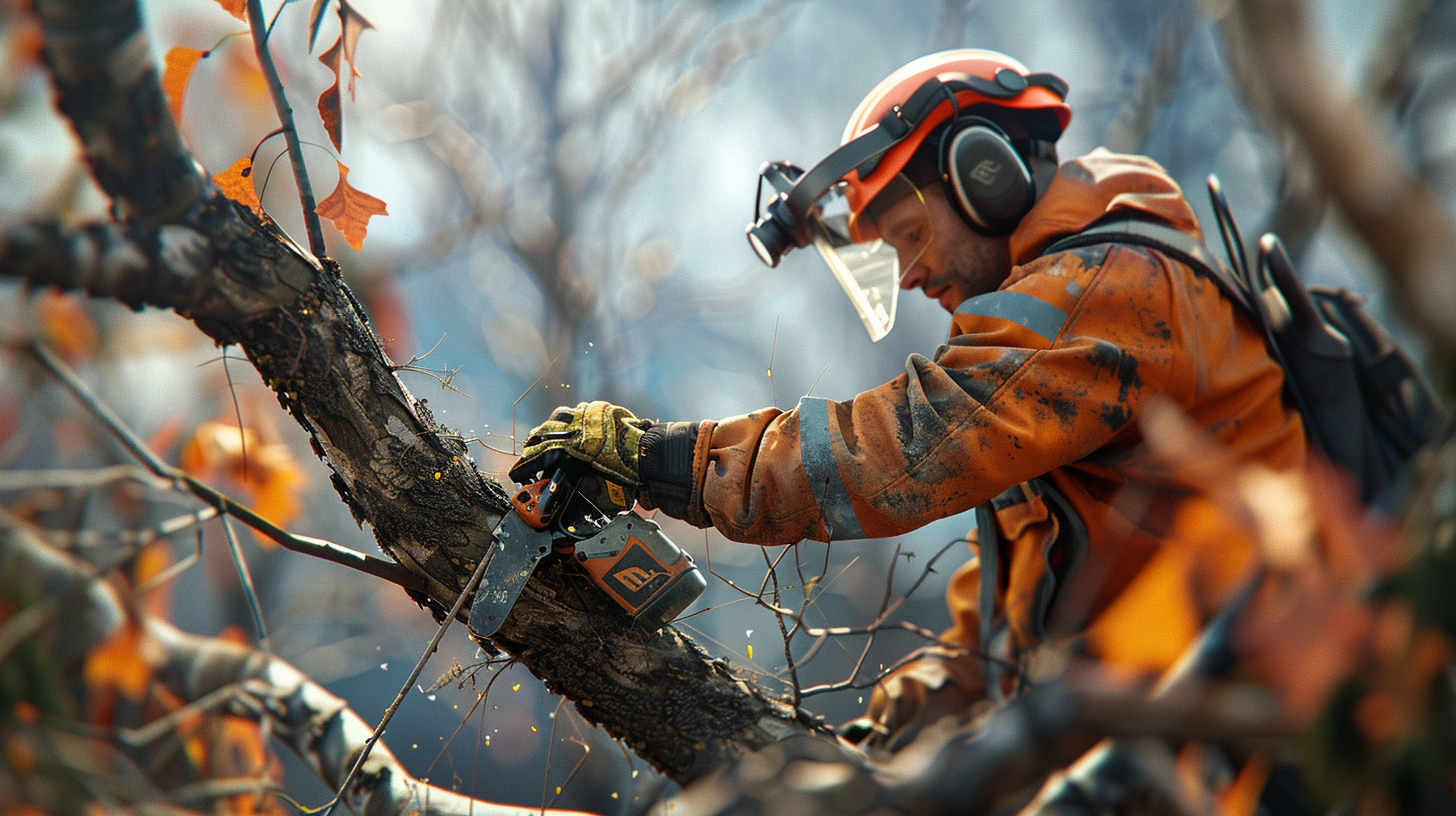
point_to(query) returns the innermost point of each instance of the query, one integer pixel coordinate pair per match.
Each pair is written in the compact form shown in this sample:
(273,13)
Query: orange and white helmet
(830,204)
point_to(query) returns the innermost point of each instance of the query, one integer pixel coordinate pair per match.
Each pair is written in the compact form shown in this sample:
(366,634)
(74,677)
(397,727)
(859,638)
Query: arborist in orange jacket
(947,181)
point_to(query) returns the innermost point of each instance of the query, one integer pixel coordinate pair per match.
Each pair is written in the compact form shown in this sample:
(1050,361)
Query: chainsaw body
(625,555)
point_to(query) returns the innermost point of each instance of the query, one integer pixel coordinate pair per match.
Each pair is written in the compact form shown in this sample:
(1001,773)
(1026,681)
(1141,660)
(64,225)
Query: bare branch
(260,32)
(209,674)
(1392,210)
(413,481)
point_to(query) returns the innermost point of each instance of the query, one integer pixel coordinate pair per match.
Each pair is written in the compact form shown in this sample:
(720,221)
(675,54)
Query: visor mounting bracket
(894,123)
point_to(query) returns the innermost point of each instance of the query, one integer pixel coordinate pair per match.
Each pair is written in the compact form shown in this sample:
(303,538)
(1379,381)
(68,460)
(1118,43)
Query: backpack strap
(1128,228)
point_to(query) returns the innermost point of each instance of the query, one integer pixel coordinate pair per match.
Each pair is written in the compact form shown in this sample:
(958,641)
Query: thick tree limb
(244,282)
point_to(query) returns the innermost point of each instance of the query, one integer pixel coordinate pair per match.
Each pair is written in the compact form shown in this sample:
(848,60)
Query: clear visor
(869,248)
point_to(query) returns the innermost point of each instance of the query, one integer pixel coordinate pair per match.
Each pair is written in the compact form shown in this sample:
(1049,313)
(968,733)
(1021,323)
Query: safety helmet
(834,205)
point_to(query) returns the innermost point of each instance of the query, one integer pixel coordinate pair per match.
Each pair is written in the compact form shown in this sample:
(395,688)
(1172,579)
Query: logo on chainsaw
(636,576)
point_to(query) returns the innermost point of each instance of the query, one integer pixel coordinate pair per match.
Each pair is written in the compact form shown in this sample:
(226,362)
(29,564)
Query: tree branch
(410,479)
(259,28)
(1391,209)
(208,674)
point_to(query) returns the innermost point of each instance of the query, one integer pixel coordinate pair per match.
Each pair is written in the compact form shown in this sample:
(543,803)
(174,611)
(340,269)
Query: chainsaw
(624,554)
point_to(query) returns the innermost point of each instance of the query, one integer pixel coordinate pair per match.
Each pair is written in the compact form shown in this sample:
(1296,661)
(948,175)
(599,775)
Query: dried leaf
(236,183)
(246,85)
(179,64)
(116,663)
(350,209)
(353,24)
(1241,797)
(267,473)
(153,560)
(330,102)
(239,752)
(316,20)
(66,326)
(237,8)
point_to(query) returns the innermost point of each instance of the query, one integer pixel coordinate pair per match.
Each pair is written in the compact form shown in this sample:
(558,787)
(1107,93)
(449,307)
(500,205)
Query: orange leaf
(236,183)
(1241,797)
(350,209)
(330,102)
(237,8)
(117,663)
(179,64)
(267,472)
(353,24)
(153,560)
(66,326)
(246,84)
(316,20)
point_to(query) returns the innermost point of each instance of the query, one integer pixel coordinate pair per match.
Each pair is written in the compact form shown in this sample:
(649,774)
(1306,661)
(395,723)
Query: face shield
(869,247)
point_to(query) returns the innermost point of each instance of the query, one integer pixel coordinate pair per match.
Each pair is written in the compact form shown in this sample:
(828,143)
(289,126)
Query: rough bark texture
(182,245)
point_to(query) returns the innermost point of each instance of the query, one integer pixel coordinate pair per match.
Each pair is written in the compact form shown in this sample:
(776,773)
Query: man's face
(939,253)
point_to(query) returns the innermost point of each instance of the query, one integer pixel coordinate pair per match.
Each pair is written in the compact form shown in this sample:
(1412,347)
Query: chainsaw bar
(518,549)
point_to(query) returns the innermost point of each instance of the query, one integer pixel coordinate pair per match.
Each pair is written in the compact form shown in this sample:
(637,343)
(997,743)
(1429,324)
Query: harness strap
(1125,228)
(988,541)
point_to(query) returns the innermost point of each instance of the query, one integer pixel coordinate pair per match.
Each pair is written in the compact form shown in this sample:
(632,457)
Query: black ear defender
(988,180)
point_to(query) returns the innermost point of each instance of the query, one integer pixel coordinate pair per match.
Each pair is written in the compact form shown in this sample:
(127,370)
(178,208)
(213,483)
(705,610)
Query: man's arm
(1038,375)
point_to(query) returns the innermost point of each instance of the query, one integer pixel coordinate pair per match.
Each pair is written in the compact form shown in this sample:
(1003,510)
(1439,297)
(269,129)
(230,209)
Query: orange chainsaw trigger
(530,502)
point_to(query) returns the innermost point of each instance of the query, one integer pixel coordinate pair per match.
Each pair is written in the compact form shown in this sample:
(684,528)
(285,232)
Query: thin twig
(773,347)
(167,723)
(887,608)
(467,593)
(528,390)
(308,545)
(551,745)
(784,633)
(290,131)
(246,578)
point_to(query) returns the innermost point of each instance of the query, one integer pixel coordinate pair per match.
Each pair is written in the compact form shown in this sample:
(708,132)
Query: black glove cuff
(665,462)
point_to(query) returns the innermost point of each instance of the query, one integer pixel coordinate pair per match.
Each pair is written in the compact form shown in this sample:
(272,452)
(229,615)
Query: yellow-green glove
(601,434)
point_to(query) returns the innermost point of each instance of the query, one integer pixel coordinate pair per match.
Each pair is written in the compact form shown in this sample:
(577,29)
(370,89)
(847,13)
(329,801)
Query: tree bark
(180,244)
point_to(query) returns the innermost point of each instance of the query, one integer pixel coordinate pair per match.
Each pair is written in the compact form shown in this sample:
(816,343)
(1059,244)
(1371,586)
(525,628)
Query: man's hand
(603,435)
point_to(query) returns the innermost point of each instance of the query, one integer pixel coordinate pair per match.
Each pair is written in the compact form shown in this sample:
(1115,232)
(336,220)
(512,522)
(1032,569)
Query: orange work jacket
(1044,377)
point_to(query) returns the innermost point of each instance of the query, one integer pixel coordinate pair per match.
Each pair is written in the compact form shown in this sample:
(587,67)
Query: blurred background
(567,186)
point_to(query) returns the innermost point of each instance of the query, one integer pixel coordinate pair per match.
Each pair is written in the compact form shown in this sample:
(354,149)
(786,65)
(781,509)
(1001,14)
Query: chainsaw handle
(536,502)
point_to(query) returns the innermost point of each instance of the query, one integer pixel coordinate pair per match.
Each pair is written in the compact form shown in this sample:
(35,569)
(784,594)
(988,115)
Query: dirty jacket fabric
(1044,377)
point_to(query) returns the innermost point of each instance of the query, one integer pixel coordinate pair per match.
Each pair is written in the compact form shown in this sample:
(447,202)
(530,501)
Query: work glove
(605,436)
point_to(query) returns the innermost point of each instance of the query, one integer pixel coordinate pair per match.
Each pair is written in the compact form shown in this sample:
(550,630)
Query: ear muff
(986,178)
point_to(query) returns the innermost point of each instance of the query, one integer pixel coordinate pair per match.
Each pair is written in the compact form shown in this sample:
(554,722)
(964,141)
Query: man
(947,182)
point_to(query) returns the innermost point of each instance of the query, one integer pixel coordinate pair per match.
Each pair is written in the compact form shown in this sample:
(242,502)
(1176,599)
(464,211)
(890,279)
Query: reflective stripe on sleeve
(1018,307)
(817,448)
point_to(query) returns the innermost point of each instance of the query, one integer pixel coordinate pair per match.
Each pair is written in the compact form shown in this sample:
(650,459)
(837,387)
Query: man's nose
(913,277)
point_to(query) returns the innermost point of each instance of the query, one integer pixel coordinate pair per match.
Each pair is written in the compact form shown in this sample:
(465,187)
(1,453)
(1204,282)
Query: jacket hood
(1087,188)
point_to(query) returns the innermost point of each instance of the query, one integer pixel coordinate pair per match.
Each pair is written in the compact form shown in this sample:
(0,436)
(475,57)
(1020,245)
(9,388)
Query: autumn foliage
(347,207)
(267,473)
